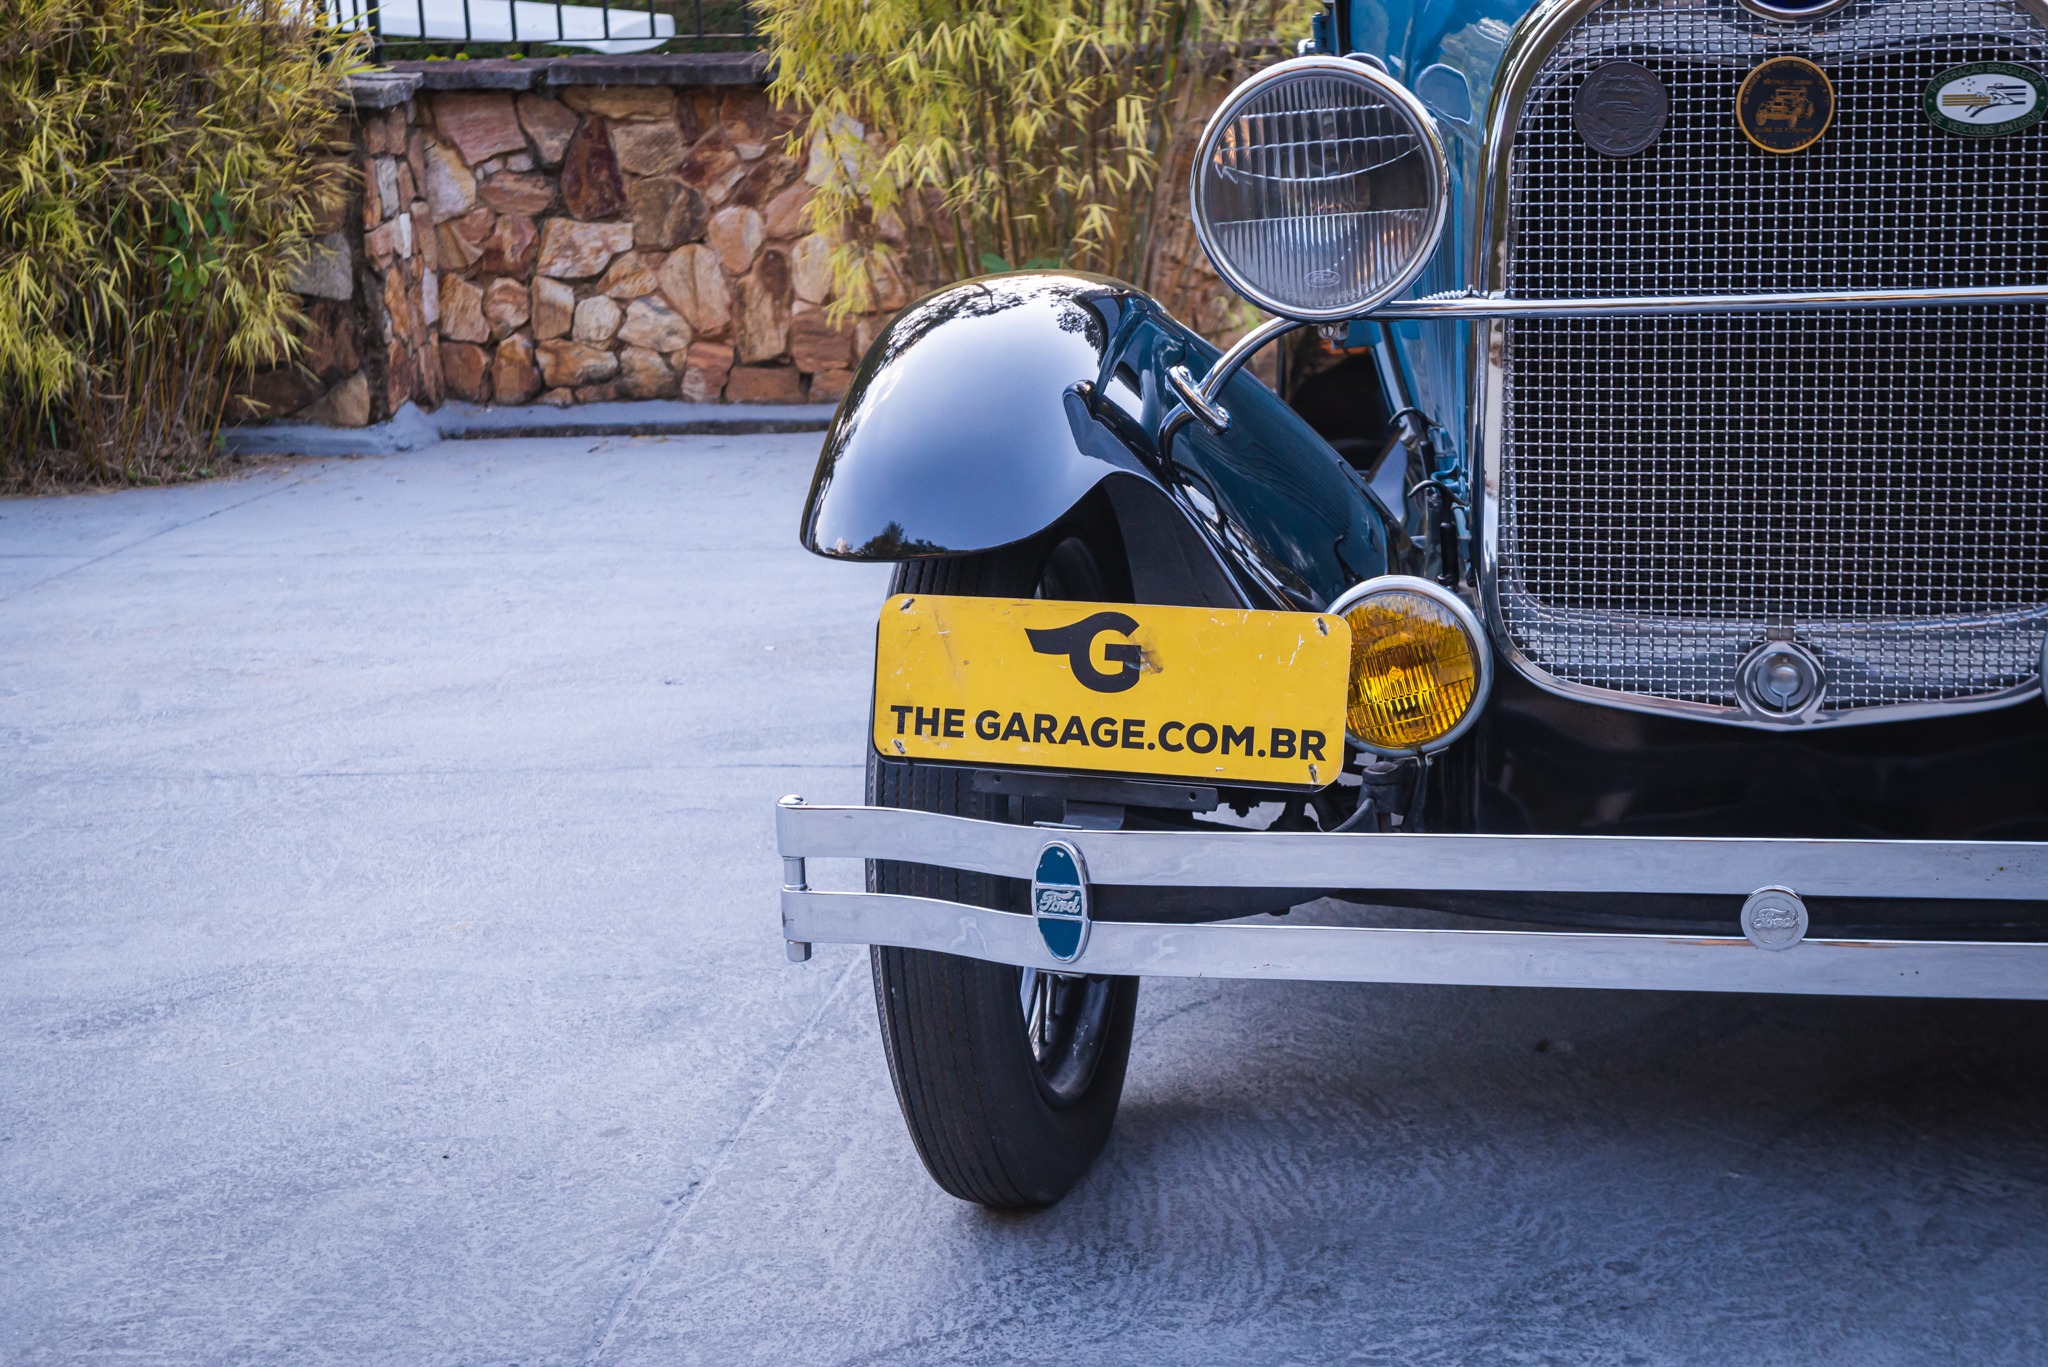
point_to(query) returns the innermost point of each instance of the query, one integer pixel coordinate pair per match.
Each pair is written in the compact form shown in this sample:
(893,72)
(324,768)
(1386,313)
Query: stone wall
(576,231)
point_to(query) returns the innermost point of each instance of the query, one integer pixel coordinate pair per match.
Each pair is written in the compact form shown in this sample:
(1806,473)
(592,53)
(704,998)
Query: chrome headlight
(1320,188)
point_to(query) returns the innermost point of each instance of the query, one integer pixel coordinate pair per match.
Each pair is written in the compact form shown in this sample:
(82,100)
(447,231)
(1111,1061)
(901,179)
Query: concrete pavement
(389,973)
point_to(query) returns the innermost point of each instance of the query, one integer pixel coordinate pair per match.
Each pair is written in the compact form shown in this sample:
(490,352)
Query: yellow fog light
(1419,665)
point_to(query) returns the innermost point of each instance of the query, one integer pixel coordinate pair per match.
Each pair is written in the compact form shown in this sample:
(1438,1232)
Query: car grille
(1674,491)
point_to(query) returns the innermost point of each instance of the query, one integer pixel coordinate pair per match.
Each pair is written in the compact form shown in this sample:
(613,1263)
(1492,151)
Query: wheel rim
(1066,1020)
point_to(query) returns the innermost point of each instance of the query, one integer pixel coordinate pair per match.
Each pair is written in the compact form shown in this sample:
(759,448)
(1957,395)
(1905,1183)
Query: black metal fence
(499,27)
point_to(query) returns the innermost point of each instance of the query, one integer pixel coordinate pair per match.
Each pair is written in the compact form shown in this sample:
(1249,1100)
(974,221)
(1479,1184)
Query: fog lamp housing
(1320,188)
(1420,665)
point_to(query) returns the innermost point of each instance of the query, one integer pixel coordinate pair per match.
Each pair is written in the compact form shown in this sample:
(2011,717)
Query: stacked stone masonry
(570,243)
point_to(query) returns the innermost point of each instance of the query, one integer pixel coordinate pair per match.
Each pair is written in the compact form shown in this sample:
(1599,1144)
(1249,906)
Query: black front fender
(987,411)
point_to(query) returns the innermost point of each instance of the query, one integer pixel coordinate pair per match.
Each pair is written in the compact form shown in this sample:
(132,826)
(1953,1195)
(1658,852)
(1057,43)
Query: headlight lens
(1320,188)
(1419,665)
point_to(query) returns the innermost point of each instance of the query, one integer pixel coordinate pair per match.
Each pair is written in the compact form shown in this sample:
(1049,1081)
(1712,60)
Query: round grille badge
(1774,918)
(1985,99)
(1620,109)
(1785,105)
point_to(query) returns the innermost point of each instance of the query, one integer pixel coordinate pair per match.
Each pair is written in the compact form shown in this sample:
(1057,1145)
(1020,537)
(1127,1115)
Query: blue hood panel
(1449,52)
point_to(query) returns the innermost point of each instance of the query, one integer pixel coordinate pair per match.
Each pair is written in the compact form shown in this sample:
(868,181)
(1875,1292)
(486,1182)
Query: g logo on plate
(1076,642)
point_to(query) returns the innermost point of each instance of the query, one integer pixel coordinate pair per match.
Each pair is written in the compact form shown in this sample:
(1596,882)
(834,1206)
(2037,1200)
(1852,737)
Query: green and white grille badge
(1059,901)
(1986,99)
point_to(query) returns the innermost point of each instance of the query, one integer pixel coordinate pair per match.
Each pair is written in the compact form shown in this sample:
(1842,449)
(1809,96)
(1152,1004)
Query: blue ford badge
(1059,901)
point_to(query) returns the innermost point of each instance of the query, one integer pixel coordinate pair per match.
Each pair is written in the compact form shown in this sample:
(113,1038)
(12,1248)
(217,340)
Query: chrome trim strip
(1732,716)
(1785,15)
(1528,47)
(1490,373)
(1959,869)
(1478,958)
(1498,305)
(1735,716)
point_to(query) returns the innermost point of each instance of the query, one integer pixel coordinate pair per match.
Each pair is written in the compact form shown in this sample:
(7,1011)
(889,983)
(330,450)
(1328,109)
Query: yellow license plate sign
(1214,694)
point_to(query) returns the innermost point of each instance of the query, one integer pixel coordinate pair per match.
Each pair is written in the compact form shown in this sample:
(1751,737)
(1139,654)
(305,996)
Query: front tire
(1008,1078)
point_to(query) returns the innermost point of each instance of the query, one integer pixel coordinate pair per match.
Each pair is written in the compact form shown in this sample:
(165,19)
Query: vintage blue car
(1651,553)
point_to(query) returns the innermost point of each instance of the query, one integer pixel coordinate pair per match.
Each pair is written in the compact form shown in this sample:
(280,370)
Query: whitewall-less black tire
(1009,1080)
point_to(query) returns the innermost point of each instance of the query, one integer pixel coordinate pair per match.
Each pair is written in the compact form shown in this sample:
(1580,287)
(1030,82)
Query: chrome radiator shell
(1660,496)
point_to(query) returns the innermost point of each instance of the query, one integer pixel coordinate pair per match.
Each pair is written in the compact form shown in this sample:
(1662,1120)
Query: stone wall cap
(483,73)
(666,68)
(382,89)
(511,73)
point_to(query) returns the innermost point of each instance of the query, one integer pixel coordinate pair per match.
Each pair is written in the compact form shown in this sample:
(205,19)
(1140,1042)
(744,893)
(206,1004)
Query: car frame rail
(1737,868)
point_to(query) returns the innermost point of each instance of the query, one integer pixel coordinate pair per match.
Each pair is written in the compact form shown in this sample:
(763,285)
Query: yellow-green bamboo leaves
(162,163)
(950,138)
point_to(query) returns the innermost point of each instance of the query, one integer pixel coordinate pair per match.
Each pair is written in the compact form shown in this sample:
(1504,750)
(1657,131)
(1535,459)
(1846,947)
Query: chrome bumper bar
(1476,863)
(1476,305)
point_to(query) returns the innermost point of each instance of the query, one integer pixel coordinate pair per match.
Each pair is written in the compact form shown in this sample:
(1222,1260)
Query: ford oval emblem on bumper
(1059,901)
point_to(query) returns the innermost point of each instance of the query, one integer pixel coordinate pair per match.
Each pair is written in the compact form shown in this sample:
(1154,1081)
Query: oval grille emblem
(1986,99)
(1785,105)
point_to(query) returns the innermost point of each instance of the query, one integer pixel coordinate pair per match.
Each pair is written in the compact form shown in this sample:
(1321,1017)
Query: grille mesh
(1674,491)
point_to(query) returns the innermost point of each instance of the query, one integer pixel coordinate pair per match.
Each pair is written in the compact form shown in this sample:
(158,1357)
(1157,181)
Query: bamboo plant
(162,163)
(950,139)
